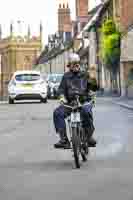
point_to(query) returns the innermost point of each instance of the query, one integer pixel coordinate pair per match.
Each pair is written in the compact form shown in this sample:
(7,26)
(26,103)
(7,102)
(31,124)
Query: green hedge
(110,45)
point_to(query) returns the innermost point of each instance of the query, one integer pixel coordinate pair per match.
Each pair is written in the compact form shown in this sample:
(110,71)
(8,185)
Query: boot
(63,142)
(91,141)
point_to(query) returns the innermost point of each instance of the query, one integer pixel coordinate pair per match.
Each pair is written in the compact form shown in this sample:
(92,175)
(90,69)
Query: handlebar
(79,94)
(79,105)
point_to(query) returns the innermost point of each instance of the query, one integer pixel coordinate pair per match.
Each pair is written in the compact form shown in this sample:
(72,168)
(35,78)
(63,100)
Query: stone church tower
(17,53)
(64,19)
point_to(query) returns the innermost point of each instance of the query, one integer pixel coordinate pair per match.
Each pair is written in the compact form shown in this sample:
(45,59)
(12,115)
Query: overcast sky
(32,12)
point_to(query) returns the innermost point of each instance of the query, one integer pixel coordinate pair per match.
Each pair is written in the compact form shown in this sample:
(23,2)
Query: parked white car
(27,85)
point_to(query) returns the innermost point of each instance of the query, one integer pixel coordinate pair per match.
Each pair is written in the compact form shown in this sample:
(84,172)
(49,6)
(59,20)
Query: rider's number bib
(75,117)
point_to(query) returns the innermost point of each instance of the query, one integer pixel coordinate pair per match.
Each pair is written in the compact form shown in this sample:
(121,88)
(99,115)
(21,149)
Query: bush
(110,45)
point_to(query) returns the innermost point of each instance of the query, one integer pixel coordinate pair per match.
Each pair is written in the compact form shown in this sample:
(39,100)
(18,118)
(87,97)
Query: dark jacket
(76,81)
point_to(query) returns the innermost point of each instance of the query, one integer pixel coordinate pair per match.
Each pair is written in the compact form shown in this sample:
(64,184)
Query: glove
(62,99)
(94,100)
(92,94)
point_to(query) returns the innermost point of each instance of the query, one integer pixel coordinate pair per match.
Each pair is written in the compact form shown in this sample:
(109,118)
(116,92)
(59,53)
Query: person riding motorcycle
(74,80)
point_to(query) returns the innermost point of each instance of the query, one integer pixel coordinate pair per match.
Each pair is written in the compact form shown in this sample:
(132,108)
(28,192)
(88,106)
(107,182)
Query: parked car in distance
(25,85)
(53,84)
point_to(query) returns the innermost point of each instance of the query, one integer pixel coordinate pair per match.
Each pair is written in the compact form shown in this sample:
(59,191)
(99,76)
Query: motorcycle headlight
(51,85)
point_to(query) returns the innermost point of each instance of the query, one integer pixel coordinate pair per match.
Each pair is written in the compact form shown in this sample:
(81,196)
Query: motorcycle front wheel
(76,146)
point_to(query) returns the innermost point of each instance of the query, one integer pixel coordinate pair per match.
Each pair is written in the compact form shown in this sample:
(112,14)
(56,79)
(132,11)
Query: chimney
(82,7)
(64,18)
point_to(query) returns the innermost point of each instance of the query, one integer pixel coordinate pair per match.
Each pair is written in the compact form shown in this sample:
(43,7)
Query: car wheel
(11,101)
(44,100)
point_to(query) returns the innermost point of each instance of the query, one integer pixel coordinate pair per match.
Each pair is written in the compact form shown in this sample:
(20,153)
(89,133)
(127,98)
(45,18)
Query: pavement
(126,103)
(121,101)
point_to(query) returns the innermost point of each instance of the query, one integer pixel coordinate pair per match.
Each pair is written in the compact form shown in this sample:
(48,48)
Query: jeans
(61,112)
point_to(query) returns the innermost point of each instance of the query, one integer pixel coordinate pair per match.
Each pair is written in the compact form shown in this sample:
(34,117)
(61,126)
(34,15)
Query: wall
(126,44)
(126,13)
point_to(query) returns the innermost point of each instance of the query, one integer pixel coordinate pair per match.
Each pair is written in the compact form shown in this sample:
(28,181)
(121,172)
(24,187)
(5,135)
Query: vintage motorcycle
(78,138)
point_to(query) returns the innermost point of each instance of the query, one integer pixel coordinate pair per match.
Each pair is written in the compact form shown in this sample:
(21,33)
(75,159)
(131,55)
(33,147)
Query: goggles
(74,63)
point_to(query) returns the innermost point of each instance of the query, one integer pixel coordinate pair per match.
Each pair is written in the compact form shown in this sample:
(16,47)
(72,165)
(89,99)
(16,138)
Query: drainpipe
(50,66)
(97,57)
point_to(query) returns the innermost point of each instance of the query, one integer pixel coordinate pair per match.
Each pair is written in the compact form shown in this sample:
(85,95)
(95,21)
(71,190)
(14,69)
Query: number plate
(75,117)
(27,85)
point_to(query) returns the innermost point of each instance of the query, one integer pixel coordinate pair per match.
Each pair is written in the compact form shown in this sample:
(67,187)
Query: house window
(130,75)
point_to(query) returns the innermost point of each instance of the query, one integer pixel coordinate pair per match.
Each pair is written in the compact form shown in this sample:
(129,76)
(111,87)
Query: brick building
(126,13)
(64,20)
(126,19)
(82,7)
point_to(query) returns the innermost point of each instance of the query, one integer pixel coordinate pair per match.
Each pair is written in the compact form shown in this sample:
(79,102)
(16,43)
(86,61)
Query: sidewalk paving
(124,102)
(121,101)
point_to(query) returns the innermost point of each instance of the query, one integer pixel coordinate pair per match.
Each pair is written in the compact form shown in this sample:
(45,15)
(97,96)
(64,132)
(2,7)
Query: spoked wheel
(84,153)
(76,146)
(84,146)
(83,156)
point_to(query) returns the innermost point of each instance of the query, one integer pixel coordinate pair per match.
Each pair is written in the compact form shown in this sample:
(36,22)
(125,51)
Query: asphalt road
(31,169)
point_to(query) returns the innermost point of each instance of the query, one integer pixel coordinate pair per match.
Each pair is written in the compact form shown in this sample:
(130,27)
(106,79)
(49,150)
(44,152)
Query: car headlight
(42,82)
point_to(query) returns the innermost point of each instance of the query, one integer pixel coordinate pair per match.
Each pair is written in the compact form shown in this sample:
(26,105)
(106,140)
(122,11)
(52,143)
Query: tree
(110,49)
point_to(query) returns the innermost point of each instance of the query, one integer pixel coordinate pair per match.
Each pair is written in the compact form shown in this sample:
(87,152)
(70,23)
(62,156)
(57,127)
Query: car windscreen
(56,78)
(51,78)
(27,77)
(59,78)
